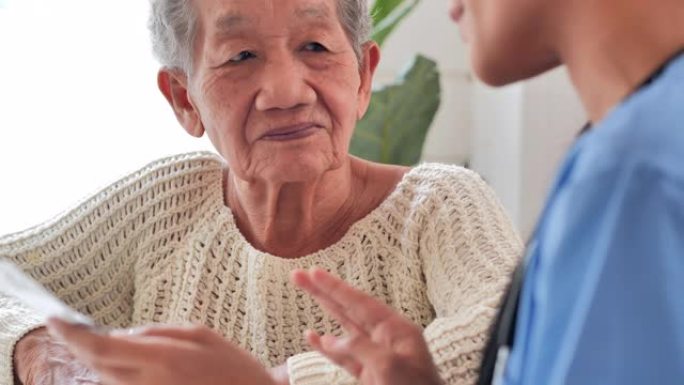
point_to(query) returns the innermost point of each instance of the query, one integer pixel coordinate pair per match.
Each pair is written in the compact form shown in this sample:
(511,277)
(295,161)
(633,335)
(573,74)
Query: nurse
(598,299)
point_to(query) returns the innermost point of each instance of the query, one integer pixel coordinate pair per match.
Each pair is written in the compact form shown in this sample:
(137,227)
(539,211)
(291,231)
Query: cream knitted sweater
(161,246)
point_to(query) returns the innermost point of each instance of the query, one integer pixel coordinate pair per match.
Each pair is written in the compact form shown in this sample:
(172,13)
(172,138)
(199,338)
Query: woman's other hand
(170,355)
(380,347)
(39,359)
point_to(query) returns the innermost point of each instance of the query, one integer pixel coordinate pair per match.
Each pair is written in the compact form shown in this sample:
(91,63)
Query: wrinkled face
(509,40)
(277,86)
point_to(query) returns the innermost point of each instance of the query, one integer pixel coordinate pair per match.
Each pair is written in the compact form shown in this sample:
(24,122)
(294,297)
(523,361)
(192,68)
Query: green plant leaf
(382,8)
(384,26)
(399,116)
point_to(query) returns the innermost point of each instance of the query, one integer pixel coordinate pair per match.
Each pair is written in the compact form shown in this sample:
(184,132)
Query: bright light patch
(79,104)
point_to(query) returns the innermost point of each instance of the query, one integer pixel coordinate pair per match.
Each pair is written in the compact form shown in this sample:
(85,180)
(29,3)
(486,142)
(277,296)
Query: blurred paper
(17,284)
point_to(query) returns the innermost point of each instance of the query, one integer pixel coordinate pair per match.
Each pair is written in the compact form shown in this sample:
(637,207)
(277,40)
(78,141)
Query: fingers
(343,301)
(191,333)
(303,280)
(118,351)
(112,376)
(160,355)
(333,349)
(84,344)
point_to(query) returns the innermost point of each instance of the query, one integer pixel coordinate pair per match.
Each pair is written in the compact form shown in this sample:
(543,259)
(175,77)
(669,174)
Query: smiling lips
(293,132)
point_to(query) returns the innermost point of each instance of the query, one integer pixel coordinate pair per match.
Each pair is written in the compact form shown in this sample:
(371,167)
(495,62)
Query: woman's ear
(371,58)
(174,85)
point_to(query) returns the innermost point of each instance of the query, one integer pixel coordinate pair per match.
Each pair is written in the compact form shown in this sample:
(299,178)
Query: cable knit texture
(160,246)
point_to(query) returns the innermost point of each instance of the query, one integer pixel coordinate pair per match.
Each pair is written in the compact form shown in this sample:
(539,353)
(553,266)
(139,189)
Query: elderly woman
(278,86)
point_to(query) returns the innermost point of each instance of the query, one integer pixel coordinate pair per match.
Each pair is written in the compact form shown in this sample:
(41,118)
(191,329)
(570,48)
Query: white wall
(496,132)
(79,107)
(553,117)
(520,135)
(514,136)
(430,31)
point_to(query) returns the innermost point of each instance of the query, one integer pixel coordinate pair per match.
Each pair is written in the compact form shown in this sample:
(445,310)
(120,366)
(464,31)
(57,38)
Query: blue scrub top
(603,296)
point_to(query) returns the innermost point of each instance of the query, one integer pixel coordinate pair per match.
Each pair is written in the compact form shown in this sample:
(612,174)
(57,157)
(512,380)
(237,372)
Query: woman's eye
(315,47)
(242,56)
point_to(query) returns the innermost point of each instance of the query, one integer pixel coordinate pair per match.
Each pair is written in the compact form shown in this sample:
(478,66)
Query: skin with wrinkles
(171,355)
(59,367)
(267,71)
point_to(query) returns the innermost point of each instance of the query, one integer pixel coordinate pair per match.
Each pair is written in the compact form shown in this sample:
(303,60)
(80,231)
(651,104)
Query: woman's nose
(283,86)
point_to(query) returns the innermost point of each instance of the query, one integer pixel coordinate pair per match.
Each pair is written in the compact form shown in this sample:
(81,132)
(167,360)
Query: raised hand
(380,347)
(170,355)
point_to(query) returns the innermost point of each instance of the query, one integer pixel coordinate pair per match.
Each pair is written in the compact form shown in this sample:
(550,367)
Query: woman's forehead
(228,15)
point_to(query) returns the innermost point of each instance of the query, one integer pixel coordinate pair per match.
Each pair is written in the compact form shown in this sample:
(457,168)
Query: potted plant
(400,114)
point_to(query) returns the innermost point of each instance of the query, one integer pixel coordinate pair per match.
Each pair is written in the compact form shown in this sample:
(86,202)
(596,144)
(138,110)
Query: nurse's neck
(612,46)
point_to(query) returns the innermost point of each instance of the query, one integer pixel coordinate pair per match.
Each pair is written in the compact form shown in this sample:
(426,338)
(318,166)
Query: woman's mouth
(293,132)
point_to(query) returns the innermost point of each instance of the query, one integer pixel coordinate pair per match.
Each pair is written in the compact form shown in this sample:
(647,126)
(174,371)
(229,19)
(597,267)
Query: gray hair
(173,26)
(357,23)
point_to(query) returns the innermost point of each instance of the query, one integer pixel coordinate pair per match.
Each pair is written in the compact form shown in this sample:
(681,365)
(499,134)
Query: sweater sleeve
(469,248)
(84,257)
(88,255)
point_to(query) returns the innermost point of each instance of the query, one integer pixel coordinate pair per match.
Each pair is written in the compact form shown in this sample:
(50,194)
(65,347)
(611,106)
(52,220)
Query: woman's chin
(299,168)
